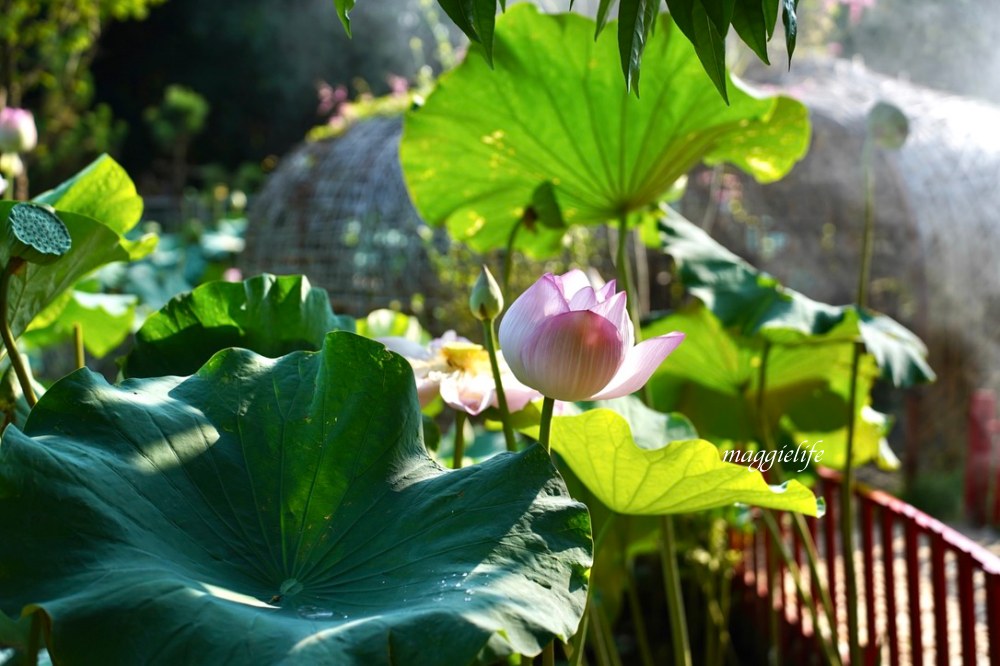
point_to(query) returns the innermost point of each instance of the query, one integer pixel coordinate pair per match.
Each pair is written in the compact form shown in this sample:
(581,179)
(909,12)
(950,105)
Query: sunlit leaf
(93,245)
(713,379)
(105,320)
(278,512)
(553,111)
(102,191)
(678,477)
(267,314)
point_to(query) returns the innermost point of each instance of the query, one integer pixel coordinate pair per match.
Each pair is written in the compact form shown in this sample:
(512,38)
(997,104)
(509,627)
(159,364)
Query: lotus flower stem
(459,450)
(668,552)
(545,428)
(549,654)
(81,359)
(8,337)
(490,338)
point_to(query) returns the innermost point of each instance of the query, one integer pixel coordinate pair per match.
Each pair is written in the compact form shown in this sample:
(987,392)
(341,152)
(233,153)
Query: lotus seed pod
(35,234)
(888,126)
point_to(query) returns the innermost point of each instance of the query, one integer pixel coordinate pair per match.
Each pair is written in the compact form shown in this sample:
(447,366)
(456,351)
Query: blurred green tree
(258,64)
(174,123)
(46,50)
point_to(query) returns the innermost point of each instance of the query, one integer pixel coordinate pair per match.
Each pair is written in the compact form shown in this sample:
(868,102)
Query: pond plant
(262,485)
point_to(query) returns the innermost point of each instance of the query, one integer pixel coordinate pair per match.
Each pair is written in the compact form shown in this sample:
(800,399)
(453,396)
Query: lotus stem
(847,515)
(830,656)
(549,654)
(34,640)
(847,488)
(798,521)
(459,451)
(81,359)
(8,337)
(581,632)
(675,598)
(668,553)
(490,338)
(545,428)
(508,257)
(642,637)
(625,273)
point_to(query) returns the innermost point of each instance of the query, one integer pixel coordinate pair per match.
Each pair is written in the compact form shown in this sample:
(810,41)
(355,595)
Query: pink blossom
(17,130)
(460,372)
(572,342)
(398,85)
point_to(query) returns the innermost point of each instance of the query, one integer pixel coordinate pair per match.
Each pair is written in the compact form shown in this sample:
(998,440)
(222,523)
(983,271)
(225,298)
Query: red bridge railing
(929,594)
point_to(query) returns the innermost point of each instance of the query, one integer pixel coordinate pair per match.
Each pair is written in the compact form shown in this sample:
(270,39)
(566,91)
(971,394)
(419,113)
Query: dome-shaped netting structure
(337,210)
(937,239)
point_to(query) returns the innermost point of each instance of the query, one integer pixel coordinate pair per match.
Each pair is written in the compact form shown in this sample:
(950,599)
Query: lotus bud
(35,234)
(11,165)
(17,130)
(486,299)
(572,342)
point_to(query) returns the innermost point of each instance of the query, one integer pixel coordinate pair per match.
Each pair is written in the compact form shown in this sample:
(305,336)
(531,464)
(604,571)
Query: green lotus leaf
(105,320)
(270,315)
(713,379)
(752,303)
(678,477)
(93,245)
(278,512)
(103,191)
(553,111)
(386,323)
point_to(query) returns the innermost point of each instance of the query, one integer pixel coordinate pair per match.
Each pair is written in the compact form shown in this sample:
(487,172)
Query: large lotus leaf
(713,378)
(705,22)
(553,111)
(103,191)
(105,320)
(753,303)
(678,477)
(93,245)
(278,511)
(270,315)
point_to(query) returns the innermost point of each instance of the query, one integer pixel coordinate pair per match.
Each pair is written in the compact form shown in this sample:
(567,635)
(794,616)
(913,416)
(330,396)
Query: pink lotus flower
(17,130)
(574,343)
(460,372)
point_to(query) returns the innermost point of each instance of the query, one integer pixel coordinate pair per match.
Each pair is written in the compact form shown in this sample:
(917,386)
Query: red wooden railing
(929,594)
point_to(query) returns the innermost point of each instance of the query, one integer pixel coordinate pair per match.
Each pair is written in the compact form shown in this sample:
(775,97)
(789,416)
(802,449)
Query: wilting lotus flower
(17,130)
(460,371)
(574,343)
